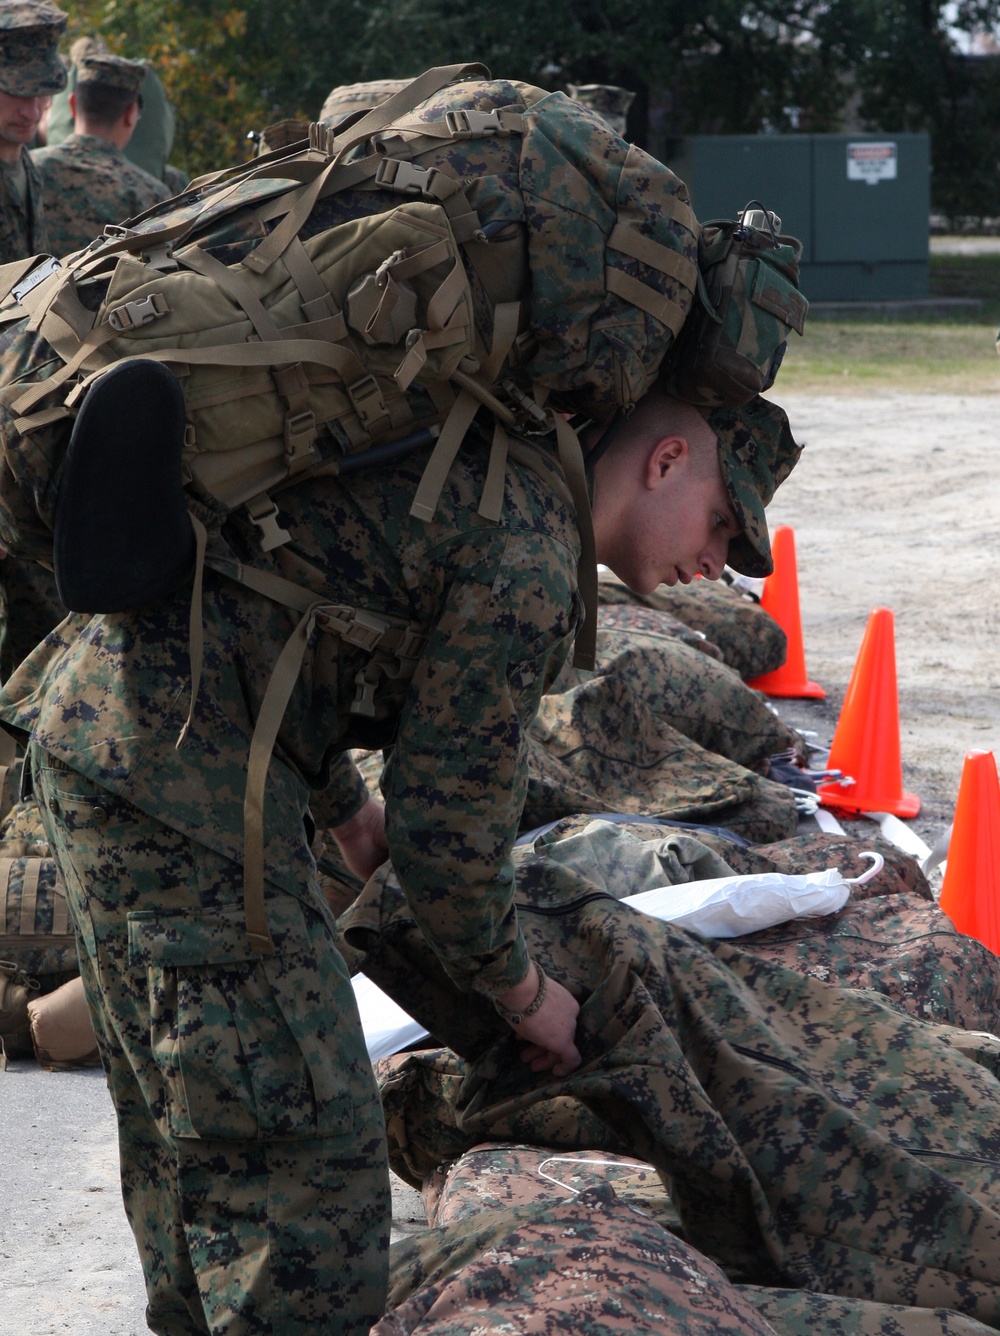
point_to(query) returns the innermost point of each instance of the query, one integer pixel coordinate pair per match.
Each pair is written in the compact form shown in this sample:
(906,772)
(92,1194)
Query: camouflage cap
(757,452)
(98,68)
(29,60)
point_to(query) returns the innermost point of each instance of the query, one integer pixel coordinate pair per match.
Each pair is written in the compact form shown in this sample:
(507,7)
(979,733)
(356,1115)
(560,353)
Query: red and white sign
(871,163)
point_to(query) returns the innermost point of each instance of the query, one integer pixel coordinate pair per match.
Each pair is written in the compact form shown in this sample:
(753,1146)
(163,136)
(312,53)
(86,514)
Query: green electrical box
(860,204)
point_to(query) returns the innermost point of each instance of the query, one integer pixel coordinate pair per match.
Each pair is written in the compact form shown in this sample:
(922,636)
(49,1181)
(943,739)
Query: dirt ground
(895,503)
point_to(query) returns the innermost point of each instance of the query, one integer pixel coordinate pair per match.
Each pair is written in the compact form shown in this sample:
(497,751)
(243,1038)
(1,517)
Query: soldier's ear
(663,455)
(72,105)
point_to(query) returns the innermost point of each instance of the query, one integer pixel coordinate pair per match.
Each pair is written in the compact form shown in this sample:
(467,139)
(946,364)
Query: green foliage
(735,66)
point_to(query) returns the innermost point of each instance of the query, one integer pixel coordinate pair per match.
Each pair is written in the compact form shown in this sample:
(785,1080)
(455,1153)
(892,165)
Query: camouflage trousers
(251,1139)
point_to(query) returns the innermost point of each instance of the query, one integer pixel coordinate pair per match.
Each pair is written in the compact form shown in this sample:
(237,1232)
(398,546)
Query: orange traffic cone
(970,892)
(781,599)
(866,740)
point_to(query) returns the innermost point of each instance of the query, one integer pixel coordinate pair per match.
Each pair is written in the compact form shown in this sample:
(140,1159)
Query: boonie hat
(102,69)
(29,58)
(757,452)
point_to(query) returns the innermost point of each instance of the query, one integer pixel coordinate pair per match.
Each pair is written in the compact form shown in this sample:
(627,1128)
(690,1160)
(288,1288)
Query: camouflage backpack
(470,243)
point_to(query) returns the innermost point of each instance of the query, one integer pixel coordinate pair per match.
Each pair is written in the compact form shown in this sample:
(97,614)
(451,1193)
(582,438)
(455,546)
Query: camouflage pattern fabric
(88,182)
(22,217)
(496,1176)
(703,699)
(620,740)
(251,1139)
(149,838)
(750,640)
(29,608)
(811,1136)
(504,1179)
(499,605)
(592,1264)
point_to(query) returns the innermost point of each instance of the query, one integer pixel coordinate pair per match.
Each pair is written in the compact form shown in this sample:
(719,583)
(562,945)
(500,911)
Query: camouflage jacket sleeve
(456,779)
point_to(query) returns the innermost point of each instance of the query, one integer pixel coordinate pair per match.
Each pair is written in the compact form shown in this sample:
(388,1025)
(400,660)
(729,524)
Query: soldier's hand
(551,1031)
(361,839)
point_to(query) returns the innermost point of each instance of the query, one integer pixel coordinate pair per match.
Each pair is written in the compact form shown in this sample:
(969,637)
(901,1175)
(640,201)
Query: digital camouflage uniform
(23,228)
(29,67)
(88,181)
(256,1077)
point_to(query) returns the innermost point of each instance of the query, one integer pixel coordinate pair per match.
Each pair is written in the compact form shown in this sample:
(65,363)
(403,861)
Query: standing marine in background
(87,181)
(30,73)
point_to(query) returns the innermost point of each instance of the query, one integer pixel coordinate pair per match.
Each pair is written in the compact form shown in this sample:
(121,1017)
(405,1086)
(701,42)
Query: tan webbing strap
(196,622)
(491,501)
(99,335)
(283,353)
(60,913)
(629,241)
(233,285)
(5,867)
(571,459)
(29,897)
(314,297)
(415,92)
(37,420)
(646,298)
(443,304)
(462,124)
(415,359)
(453,431)
(265,734)
(272,247)
(300,421)
(506,317)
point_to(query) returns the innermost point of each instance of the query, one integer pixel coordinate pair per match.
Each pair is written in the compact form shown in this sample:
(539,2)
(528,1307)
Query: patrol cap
(29,37)
(757,452)
(101,69)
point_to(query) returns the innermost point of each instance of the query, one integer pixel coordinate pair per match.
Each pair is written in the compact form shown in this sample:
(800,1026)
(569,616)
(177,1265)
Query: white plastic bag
(386,1026)
(733,906)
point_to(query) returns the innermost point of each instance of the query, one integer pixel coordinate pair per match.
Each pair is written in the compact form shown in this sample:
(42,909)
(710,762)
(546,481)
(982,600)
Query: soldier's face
(19,118)
(673,527)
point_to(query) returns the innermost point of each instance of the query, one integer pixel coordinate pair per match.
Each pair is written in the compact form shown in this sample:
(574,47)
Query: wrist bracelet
(516,1017)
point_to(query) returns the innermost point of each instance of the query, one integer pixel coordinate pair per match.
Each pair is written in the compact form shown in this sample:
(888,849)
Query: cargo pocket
(249,1047)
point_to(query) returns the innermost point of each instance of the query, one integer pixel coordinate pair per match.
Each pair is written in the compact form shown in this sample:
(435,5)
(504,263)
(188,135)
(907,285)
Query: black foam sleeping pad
(123,537)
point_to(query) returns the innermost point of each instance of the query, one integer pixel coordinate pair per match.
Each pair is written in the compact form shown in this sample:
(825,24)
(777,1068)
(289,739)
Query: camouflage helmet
(757,452)
(29,60)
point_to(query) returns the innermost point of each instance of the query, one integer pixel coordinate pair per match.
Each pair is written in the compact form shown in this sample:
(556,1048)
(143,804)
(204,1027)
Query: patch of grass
(953,353)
